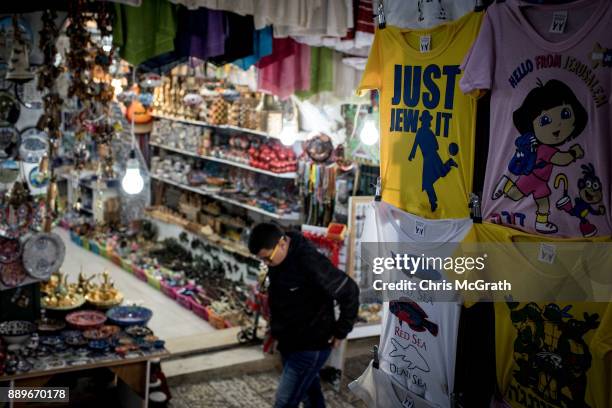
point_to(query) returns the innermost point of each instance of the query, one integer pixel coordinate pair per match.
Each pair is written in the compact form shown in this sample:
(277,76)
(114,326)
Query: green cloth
(321,72)
(144,32)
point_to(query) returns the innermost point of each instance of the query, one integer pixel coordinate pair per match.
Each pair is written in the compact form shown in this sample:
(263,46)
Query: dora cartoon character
(549,117)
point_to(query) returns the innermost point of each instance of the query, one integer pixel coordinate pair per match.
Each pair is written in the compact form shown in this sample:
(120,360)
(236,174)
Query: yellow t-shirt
(426,122)
(548,354)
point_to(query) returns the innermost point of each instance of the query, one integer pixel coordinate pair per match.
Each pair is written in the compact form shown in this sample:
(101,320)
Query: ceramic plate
(10,250)
(12,274)
(9,143)
(43,254)
(9,171)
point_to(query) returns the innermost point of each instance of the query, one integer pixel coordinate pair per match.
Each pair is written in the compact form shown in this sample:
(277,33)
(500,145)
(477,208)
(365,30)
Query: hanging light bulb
(78,205)
(288,135)
(369,132)
(132,182)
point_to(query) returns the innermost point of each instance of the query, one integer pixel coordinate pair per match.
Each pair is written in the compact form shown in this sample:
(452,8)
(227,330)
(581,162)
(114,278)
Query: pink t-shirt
(549,70)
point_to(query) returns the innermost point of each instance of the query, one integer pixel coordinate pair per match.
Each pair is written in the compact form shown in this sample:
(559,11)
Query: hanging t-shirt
(548,354)
(549,70)
(424,13)
(379,390)
(419,332)
(144,32)
(426,124)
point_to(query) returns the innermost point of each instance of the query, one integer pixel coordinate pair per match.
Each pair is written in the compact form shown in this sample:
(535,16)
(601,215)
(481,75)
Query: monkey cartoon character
(589,195)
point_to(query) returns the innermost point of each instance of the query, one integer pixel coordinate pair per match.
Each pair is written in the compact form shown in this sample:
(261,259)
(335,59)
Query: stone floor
(257,390)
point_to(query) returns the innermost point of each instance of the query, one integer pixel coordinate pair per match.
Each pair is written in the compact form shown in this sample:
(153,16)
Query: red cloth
(286,70)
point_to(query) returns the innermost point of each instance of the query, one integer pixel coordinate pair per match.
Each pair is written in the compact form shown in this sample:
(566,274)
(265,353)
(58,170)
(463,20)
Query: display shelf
(292,217)
(221,242)
(222,127)
(225,161)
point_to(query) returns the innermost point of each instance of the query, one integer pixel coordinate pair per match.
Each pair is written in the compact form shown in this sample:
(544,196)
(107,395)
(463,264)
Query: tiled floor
(257,390)
(170,320)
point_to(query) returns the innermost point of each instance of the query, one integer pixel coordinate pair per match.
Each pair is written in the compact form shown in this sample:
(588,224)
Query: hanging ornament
(50,69)
(19,63)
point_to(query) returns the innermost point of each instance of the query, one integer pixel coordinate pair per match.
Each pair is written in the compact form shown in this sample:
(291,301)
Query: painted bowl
(50,325)
(16,331)
(138,331)
(129,315)
(98,345)
(86,319)
(51,341)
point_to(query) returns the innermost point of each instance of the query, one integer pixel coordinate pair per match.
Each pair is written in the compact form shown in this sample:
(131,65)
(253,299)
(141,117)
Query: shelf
(222,243)
(223,127)
(227,200)
(291,176)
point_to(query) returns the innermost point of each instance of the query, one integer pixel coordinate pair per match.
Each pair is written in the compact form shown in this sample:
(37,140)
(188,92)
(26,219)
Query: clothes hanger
(375,358)
(382,21)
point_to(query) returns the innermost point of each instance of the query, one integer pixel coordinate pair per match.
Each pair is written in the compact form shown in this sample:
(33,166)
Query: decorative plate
(129,315)
(103,332)
(9,171)
(34,145)
(12,274)
(86,319)
(9,143)
(36,179)
(77,300)
(43,254)
(10,250)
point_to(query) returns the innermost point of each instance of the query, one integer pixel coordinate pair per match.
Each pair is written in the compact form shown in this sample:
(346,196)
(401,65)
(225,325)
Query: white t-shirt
(419,333)
(424,13)
(378,390)
(333,18)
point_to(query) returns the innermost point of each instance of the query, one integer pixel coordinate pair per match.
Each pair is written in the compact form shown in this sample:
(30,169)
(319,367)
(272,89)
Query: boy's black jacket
(301,297)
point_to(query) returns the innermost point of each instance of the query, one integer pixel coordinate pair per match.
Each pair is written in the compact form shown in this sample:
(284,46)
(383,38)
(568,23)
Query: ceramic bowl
(51,341)
(86,319)
(50,325)
(129,315)
(98,345)
(138,331)
(16,331)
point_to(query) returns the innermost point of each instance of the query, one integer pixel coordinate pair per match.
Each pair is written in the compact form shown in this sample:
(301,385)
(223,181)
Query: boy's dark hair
(264,236)
(546,96)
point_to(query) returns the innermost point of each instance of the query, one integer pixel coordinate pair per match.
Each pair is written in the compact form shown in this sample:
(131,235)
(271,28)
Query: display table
(133,371)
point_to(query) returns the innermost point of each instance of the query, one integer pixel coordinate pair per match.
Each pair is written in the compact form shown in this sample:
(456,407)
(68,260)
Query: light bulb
(132,182)
(369,133)
(288,135)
